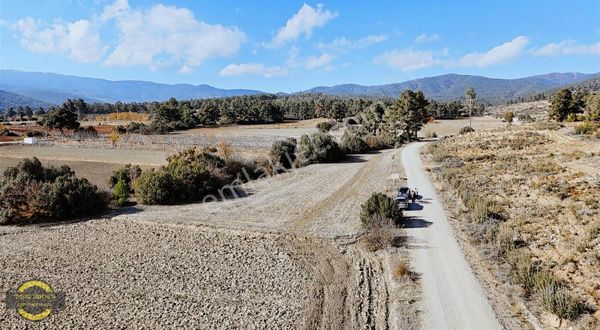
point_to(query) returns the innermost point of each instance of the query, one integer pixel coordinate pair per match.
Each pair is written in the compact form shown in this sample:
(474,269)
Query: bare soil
(285,255)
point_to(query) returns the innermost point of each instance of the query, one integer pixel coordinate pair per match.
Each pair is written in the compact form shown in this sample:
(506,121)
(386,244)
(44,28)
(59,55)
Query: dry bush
(380,234)
(554,294)
(225,151)
(401,269)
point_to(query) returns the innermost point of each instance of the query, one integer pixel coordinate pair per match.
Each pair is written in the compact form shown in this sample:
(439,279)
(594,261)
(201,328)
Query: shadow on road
(415,222)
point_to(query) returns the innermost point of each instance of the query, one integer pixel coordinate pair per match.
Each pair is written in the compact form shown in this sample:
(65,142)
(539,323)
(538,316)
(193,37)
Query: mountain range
(452,86)
(39,89)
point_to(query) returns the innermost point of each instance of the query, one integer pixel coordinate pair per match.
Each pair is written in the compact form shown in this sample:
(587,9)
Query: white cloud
(78,40)
(167,36)
(256,69)
(314,62)
(407,59)
(343,43)
(427,37)
(114,10)
(567,47)
(303,22)
(502,53)
(292,58)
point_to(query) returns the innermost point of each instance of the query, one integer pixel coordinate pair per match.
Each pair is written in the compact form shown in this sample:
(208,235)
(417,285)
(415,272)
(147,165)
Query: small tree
(407,115)
(562,105)
(113,137)
(592,107)
(60,118)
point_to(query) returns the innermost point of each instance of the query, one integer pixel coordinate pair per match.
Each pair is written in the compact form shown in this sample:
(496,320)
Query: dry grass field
(530,204)
(446,127)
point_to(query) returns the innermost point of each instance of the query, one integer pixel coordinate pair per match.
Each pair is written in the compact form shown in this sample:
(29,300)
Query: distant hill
(452,86)
(592,85)
(56,88)
(12,100)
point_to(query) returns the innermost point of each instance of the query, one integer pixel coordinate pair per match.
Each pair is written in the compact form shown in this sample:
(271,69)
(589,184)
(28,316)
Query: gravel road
(452,296)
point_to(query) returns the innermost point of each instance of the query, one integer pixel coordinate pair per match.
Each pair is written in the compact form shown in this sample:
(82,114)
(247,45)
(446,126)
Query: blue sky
(290,46)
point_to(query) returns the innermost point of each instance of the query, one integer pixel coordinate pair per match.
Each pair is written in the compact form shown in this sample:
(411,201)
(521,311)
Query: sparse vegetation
(501,176)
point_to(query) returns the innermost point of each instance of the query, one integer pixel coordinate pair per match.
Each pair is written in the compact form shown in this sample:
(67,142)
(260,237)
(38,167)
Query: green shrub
(30,192)
(325,126)
(283,152)
(156,187)
(128,174)
(379,206)
(318,148)
(121,192)
(465,130)
(354,144)
(188,177)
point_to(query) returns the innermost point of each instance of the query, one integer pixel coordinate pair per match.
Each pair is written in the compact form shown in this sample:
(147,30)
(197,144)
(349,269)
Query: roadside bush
(30,192)
(283,152)
(318,148)
(354,144)
(378,207)
(380,233)
(325,126)
(465,130)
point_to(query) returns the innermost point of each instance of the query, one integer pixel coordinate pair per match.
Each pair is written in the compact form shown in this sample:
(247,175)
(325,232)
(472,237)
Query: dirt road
(452,296)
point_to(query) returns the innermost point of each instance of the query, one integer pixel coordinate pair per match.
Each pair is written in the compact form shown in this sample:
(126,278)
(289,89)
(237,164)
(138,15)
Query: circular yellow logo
(34,300)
